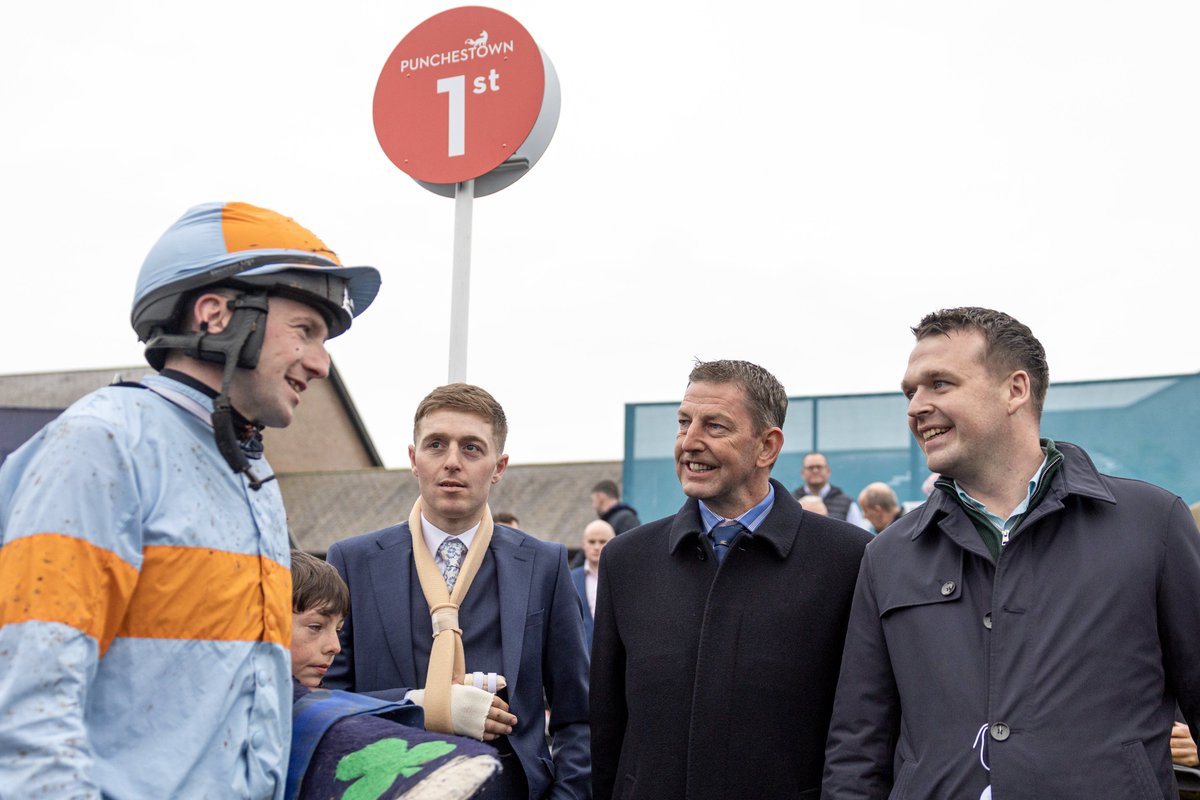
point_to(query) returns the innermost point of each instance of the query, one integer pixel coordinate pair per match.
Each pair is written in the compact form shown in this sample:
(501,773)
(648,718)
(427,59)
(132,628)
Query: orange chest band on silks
(447,662)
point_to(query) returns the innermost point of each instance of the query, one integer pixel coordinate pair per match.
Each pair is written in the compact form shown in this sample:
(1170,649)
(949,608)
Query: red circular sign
(459,95)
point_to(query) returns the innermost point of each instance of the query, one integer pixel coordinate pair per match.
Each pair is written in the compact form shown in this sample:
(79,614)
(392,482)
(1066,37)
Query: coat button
(987,620)
(947,588)
(1000,731)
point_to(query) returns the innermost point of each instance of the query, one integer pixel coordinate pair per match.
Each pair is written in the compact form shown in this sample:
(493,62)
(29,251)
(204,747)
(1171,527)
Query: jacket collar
(778,529)
(1077,476)
(390,593)
(514,574)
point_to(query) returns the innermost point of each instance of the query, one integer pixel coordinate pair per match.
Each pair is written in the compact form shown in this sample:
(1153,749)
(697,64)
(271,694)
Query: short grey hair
(766,400)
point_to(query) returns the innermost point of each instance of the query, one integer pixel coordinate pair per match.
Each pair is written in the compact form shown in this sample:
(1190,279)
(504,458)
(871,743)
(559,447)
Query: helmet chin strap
(226,434)
(237,345)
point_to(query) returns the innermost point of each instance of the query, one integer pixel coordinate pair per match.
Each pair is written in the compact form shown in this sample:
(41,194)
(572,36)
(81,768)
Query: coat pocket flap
(923,581)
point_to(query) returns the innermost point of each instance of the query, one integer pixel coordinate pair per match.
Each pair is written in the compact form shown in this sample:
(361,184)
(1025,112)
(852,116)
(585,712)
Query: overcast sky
(789,183)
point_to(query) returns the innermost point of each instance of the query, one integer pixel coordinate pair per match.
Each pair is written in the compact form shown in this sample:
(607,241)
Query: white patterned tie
(451,552)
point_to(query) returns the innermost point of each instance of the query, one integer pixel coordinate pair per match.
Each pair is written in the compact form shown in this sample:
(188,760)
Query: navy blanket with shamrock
(353,747)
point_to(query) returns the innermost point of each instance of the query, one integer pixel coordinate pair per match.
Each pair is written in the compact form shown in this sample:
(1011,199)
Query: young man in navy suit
(520,617)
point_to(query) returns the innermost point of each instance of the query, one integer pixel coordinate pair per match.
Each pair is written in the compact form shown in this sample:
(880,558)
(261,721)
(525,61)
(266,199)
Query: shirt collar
(188,380)
(751,519)
(1002,524)
(434,536)
(202,389)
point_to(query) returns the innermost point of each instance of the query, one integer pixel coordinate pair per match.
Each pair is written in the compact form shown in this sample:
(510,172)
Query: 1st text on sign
(456,118)
(460,95)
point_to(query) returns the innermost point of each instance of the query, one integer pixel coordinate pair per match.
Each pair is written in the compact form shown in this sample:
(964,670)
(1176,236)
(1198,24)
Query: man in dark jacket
(1029,630)
(879,505)
(840,505)
(718,631)
(606,499)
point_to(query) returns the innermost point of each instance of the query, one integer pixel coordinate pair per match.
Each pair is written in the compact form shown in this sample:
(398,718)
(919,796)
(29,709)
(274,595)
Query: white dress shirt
(434,536)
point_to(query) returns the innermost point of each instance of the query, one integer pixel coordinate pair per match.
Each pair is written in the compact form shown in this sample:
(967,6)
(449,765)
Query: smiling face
(718,456)
(293,354)
(815,472)
(960,412)
(314,644)
(456,462)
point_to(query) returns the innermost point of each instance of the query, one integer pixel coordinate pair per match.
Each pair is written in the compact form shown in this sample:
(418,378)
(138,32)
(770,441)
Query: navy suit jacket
(580,580)
(541,634)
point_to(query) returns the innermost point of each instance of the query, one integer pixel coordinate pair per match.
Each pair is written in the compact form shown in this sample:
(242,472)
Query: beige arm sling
(446,660)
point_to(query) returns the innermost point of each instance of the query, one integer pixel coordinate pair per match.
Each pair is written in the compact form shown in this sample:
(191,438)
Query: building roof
(552,501)
(61,389)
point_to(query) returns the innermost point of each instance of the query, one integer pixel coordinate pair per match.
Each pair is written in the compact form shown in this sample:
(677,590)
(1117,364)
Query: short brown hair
(766,400)
(467,398)
(317,585)
(1010,345)
(609,488)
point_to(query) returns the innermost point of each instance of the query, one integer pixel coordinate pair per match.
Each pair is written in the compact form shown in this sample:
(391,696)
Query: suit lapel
(392,576)
(514,574)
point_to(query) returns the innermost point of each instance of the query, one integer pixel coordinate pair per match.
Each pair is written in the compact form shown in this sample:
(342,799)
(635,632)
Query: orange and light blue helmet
(240,246)
(254,253)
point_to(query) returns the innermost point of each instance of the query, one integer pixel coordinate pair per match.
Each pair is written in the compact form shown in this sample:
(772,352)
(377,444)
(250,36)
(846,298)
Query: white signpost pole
(460,286)
(478,71)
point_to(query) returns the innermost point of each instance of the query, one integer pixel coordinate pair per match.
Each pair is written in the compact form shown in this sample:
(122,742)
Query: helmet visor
(339,293)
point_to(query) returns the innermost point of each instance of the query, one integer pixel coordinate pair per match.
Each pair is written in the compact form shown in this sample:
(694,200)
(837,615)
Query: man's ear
(770,445)
(501,465)
(1020,392)
(211,312)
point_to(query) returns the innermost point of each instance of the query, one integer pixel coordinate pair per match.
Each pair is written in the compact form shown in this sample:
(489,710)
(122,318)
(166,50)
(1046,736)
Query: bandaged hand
(488,681)
(475,712)
(498,722)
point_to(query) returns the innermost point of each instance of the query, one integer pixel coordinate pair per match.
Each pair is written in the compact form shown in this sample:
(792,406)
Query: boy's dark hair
(317,585)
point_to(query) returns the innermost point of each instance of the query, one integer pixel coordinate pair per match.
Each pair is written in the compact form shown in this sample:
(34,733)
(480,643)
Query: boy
(340,739)
(320,602)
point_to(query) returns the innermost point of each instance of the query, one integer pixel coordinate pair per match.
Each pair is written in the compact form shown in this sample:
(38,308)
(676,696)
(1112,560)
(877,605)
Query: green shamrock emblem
(375,767)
